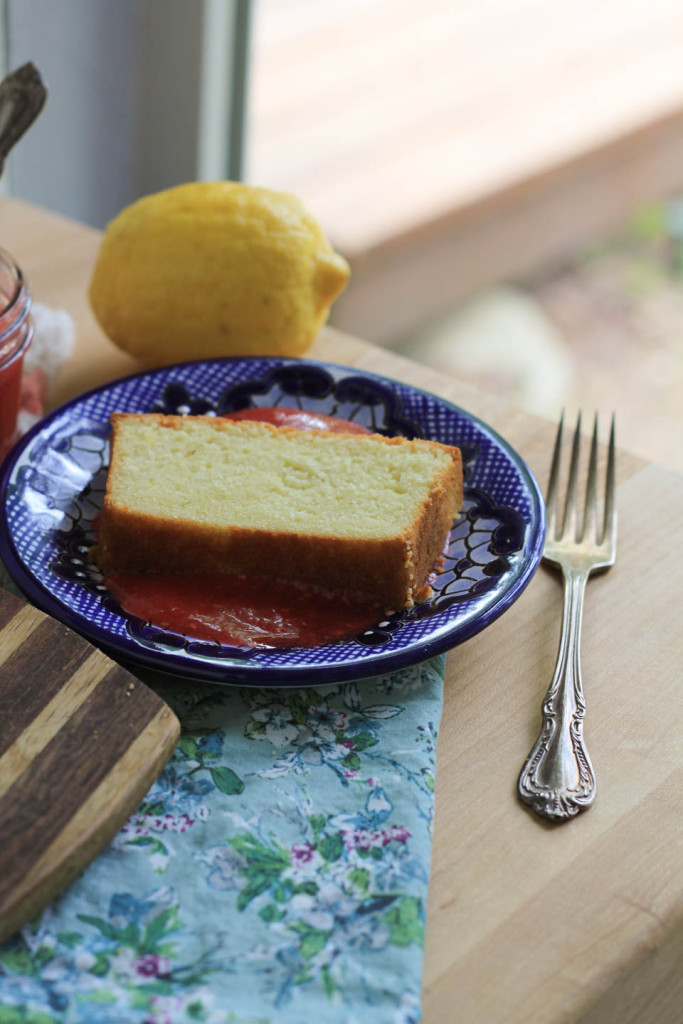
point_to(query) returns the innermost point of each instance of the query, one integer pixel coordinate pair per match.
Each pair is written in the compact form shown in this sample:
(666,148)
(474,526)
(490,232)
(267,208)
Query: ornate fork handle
(557,778)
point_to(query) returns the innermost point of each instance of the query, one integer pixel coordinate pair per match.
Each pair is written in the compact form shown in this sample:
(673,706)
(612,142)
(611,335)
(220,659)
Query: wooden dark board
(81,741)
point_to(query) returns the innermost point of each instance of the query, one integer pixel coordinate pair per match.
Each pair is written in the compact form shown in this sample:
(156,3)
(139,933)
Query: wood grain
(528,923)
(81,740)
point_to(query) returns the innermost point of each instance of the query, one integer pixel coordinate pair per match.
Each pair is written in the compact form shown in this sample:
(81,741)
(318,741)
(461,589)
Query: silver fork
(557,779)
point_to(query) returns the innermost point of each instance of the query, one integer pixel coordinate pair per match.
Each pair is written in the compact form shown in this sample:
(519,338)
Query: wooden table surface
(528,922)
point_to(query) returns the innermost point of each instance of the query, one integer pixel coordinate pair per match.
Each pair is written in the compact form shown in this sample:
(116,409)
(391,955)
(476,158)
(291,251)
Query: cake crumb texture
(359,513)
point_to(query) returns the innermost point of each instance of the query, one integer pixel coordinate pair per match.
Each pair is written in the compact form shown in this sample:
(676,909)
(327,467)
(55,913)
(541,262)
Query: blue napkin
(276,872)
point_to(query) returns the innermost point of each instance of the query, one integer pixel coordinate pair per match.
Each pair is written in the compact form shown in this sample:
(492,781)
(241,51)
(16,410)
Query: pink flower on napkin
(152,966)
(302,853)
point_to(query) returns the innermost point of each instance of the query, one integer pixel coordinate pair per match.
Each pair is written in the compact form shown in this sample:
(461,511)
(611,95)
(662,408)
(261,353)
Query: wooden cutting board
(81,741)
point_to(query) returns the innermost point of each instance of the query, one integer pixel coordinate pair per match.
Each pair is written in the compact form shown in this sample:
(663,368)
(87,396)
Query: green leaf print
(42,956)
(23,1015)
(158,928)
(313,942)
(196,1011)
(156,846)
(257,853)
(308,887)
(283,891)
(360,877)
(253,728)
(264,866)
(331,847)
(152,810)
(271,912)
(188,745)
(298,707)
(363,740)
(161,987)
(101,995)
(101,966)
(405,922)
(130,935)
(226,780)
(329,983)
(317,822)
(140,998)
(258,883)
(107,929)
(18,961)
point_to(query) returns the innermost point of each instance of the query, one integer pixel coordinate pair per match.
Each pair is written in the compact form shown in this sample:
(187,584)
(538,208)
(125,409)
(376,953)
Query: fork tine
(590,515)
(609,531)
(569,521)
(551,499)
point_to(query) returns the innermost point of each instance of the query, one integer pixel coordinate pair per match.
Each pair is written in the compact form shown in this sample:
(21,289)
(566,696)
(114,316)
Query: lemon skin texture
(214,269)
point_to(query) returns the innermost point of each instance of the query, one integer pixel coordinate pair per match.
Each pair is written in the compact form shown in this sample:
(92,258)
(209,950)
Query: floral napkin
(276,872)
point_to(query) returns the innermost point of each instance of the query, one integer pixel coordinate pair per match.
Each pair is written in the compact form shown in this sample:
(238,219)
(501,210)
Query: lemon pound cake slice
(363,514)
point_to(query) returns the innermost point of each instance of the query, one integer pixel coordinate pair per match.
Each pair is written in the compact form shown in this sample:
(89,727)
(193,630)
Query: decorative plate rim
(253,674)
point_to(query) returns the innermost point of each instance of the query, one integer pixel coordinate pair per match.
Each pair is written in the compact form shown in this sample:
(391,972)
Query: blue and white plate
(52,486)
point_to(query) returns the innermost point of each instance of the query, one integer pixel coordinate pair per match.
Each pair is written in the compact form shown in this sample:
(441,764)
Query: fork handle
(557,779)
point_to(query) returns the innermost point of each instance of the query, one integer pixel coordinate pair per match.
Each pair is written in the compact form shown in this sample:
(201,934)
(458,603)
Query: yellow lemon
(214,269)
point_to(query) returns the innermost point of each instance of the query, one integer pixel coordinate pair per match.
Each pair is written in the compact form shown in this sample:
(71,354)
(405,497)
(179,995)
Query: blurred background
(503,178)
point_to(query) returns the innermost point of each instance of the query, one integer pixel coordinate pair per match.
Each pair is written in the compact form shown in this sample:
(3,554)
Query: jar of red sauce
(16,334)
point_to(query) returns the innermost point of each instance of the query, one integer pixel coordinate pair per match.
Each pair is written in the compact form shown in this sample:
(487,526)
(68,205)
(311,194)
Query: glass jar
(16,334)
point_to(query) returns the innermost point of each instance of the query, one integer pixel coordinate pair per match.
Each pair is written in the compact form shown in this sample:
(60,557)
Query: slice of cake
(357,513)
